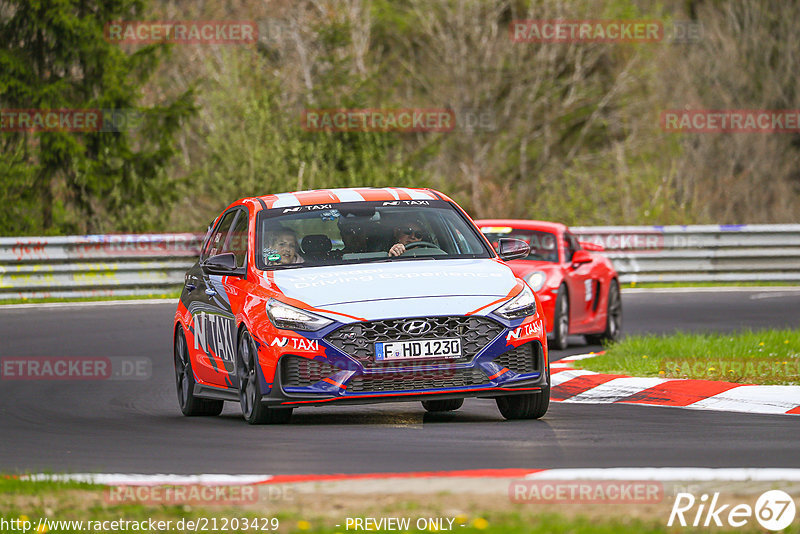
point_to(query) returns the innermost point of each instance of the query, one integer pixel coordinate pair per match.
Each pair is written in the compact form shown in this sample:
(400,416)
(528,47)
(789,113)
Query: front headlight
(291,318)
(536,280)
(520,306)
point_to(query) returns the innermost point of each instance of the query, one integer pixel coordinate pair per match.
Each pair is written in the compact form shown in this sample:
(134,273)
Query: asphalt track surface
(135,426)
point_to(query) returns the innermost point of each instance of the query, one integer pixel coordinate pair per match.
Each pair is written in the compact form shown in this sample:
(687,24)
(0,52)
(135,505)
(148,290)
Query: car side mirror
(512,249)
(581,256)
(224,264)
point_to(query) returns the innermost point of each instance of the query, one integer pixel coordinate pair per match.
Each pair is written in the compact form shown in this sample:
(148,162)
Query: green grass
(70,501)
(747,357)
(75,501)
(12,485)
(171,295)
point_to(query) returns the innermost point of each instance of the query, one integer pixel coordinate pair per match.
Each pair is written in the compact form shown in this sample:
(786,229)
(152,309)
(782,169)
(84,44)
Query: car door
(574,276)
(586,282)
(213,343)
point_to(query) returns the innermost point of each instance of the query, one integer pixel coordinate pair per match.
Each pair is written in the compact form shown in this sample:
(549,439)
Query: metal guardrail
(121,265)
(701,253)
(94,265)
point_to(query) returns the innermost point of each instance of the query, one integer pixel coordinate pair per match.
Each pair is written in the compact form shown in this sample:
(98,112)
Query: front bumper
(518,371)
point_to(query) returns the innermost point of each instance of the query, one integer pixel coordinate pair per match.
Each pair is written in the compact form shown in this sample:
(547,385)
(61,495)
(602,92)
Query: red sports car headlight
(536,280)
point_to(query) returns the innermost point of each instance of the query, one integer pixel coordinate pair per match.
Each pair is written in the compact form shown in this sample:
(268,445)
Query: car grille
(358,339)
(526,358)
(302,372)
(442,378)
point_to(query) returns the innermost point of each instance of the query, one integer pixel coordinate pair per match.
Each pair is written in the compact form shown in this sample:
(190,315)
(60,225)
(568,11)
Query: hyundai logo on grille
(417,327)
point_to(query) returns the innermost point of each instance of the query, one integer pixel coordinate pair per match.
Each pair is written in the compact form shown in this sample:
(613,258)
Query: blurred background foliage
(568,131)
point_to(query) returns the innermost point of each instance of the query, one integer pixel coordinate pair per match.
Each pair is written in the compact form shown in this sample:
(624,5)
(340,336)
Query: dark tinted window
(217,240)
(237,240)
(543,244)
(570,246)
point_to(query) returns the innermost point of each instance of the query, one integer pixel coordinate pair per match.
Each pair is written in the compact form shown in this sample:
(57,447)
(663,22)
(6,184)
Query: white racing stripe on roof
(348,195)
(286,200)
(418,195)
(667,473)
(392,192)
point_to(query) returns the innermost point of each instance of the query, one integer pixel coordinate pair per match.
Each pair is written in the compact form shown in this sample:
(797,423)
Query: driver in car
(405,234)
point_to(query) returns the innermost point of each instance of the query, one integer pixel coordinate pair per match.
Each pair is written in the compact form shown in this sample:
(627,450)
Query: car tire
(527,406)
(613,318)
(561,320)
(184,380)
(254,411)
(442,405)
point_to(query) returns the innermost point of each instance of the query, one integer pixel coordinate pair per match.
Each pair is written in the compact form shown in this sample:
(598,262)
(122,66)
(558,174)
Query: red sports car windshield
(544,246)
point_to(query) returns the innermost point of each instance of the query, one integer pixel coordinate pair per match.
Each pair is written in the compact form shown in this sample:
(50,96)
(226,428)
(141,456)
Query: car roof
(523,224)
(349,194)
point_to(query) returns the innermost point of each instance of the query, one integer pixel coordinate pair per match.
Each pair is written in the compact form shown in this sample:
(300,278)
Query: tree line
(565,131)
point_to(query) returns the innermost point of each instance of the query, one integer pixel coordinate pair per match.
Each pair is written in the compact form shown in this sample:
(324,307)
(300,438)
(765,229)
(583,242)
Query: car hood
(408,287)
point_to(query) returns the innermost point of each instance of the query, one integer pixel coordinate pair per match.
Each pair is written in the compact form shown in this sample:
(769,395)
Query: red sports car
(578,288)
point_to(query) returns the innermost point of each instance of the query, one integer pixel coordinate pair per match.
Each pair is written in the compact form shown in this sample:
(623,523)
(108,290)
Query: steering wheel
(421,244)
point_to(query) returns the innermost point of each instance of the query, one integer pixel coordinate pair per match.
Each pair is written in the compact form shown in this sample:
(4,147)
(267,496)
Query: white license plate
(418,348)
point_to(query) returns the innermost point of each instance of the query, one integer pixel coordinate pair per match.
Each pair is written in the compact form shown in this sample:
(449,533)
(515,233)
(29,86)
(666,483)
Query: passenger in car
(282,247)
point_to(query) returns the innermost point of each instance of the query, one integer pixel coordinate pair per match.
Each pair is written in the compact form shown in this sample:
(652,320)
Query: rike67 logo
(774,510)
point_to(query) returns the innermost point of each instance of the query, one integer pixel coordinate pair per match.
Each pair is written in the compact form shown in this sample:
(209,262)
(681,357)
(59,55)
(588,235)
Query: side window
(570,246)
(206,239)
(217,239)
(237,240)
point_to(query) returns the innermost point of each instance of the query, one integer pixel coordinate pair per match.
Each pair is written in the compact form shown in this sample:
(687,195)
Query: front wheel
(613,318)
(184,380)
(527,406)
(254,411)
(442,405)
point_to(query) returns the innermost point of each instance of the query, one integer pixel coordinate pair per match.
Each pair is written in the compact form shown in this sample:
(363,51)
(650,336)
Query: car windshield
(358,232)
(543,244)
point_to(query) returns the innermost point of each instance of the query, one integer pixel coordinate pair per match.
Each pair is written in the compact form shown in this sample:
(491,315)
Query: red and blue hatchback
(361,295)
